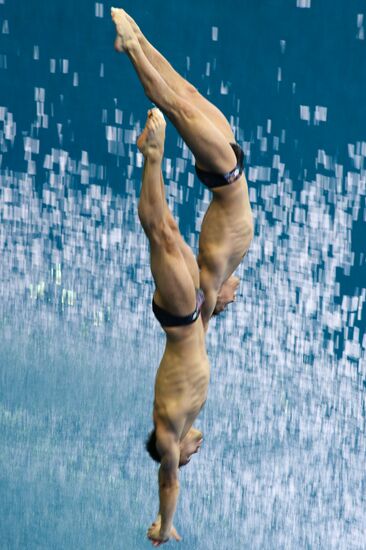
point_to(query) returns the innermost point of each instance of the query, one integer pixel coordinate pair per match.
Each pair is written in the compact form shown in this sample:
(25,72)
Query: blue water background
(282,466)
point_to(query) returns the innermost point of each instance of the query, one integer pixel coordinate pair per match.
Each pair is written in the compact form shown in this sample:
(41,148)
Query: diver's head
(189,446)
(220,306)
(227,294)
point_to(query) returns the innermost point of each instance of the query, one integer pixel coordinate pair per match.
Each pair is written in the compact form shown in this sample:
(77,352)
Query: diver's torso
(182,378)
(227,229)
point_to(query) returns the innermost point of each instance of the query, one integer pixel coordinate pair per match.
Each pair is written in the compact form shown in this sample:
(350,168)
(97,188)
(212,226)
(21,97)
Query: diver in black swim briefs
(166,319)
(227,228)
(212,180)
(183,375)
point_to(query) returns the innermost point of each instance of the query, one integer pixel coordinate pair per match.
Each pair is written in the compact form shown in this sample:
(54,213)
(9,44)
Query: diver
(182,378)
(227,228)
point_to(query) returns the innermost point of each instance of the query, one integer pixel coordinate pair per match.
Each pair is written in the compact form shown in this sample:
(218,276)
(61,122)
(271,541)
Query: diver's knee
(189,91)
(182,109)
(167,238)
(172,223)
(152,226)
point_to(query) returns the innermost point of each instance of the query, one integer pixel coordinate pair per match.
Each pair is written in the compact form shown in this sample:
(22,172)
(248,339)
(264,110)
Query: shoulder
(167,444)
(167,440)
(169,416)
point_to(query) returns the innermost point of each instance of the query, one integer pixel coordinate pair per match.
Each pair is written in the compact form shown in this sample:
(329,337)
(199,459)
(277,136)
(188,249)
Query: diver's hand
(153,533)
(156,537)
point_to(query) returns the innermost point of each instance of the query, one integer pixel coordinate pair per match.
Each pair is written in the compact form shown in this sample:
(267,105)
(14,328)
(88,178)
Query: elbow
(169,484)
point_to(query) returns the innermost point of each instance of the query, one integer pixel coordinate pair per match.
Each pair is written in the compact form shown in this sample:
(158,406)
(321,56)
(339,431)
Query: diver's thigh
(174,284)
(211,149)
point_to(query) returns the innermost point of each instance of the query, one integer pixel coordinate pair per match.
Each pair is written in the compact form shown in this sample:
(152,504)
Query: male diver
(182,378)
(227,228)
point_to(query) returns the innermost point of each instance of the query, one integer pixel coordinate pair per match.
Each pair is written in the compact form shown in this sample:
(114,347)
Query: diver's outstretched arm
(162,529)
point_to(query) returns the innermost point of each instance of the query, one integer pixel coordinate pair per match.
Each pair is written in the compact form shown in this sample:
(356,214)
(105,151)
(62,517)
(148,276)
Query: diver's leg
(180,85)
(209,146)
(185,249)
(175,290)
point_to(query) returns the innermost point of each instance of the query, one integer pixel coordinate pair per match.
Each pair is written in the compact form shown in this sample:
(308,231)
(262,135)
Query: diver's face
(227,294)
(220,306)
(190,445)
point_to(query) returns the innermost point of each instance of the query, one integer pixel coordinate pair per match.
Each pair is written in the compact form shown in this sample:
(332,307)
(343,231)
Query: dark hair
(150,446)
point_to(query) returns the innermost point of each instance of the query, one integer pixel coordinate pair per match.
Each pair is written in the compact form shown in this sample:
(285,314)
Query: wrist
(164,535)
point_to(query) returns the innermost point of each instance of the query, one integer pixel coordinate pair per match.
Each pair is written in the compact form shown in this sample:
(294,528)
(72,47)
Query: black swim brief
(166,319)
(212,180)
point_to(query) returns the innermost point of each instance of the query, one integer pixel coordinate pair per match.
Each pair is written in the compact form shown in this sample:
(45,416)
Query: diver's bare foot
(136,29)
(126,38)
(151,141)
(227,293)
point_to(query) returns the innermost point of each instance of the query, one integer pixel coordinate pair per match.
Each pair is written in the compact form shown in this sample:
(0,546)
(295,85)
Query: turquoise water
(282,465)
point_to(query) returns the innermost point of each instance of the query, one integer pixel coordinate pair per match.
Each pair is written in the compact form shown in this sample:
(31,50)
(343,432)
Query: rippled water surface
(283,461)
